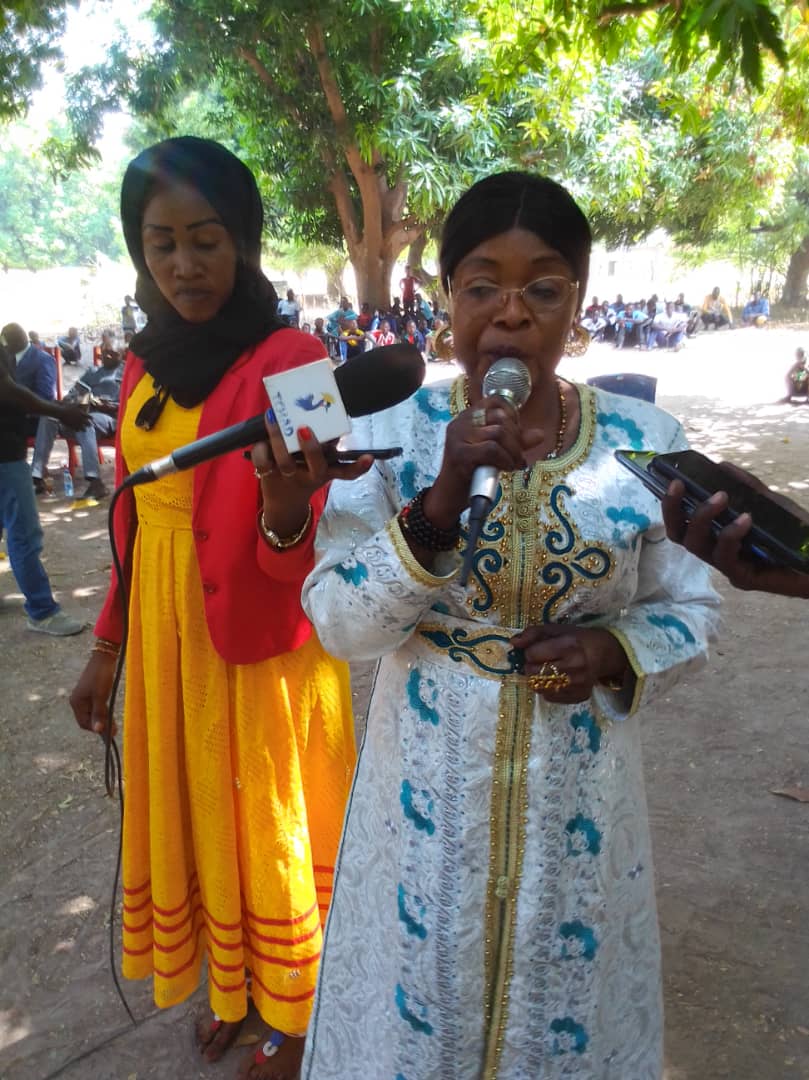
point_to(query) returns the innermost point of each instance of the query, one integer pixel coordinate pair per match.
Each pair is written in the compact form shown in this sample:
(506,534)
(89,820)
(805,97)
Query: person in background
(108,349)
(129,321)
(395,316)
(424,310)
(407,287)
(351,341)
(384,335)
(797,379)
(18,512)
(97,391)
(238,752)
(595,321)
(290,309)
(344,311)
(365,318)
(35,368)
(725,550)
(692,323)
(33,337)
(756,312)
(70,346)
(715,311)
(306,328)
(494,906)
(412,335)
(668,329)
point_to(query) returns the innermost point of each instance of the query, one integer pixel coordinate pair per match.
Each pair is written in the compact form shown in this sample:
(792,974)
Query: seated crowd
(653,323)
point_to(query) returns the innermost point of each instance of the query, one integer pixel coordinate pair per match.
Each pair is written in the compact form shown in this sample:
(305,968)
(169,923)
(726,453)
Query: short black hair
(516,200)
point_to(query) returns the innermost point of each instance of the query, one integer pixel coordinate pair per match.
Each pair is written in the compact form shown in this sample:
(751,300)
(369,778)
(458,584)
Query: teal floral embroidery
(425,400)
(578,941)
(422,694)
(568,1036)
(591,563)
(486,560)
(352,571)
(440,607)
(418,1023)
(675,629)
(623,424)
(582,836)
(628,524)
(586,733)
(407,480)
(417,806)
(412,921)
(461,644)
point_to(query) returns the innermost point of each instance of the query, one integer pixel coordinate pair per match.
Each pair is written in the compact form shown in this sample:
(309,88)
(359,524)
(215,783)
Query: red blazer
(252,592)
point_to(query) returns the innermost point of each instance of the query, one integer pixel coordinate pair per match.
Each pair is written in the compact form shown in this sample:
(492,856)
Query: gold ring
(479,417)
(557,680)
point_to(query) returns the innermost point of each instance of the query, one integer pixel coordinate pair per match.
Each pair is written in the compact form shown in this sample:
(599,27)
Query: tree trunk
(794,294)
(372,269)
(428,281)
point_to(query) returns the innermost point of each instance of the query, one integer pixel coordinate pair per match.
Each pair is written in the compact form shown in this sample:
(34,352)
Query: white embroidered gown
(494,910)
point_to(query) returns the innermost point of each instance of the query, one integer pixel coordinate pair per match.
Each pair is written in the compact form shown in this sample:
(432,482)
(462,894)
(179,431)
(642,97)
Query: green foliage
(29,34)
(47,221)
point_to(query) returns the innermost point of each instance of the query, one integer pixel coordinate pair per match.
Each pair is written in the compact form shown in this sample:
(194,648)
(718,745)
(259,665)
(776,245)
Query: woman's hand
(288,484)
(91,693)
(586,656)
(488,433)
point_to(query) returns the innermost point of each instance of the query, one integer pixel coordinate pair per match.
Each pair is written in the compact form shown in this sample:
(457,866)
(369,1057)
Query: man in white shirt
(668,328)
(290,309)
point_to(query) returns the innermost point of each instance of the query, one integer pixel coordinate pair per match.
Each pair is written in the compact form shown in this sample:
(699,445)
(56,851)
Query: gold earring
(578,341)
(443,344)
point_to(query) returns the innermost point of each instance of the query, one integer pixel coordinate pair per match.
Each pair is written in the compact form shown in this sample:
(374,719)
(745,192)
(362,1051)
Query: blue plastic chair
(636,386)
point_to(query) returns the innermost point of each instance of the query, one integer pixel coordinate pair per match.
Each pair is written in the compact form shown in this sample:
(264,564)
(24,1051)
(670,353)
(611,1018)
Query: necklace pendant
(551,455)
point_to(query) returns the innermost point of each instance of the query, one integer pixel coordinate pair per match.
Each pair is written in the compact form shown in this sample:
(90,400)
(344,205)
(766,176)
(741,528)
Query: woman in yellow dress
(238,737)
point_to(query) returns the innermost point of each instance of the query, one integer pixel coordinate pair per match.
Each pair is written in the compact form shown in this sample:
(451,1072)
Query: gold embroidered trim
(508,825)
(410,562)
(634,663)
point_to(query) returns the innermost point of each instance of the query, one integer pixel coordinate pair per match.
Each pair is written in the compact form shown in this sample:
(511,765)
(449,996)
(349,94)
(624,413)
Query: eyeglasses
(541,296)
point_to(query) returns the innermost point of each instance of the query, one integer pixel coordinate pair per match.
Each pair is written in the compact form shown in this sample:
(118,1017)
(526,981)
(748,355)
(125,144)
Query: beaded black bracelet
(414,522)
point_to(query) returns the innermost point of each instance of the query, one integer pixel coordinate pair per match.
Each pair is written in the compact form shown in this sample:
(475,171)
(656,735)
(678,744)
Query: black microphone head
(510,378)
(380,378)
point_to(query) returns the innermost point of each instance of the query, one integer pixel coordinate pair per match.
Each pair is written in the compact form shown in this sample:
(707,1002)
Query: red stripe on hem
(281,922)
(283,941)
(323,869)
(140,888)
(136,952)
(164,928)
(138,907)
(182,968)
(292,964)
(226,989)
(168,913)
(283,997)
(136,929)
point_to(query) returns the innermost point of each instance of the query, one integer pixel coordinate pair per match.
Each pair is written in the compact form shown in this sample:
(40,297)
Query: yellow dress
(236,777)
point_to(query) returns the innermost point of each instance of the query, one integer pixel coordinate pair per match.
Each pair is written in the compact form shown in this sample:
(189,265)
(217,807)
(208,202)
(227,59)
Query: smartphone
(337,455)
(782,536)
(384,453)
(777,537)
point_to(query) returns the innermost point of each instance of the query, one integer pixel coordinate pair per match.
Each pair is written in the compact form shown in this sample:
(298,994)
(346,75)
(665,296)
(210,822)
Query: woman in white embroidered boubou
(494,910)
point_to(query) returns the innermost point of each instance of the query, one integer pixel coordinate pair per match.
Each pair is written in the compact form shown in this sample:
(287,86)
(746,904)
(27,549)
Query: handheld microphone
(510,379)
(368,383)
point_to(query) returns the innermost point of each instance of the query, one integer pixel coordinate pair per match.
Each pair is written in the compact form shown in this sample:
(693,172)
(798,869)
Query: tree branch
(617,11)
(251,58)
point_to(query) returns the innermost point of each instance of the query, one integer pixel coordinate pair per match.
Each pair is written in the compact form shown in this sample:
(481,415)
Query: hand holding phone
(725,548)
(728,518)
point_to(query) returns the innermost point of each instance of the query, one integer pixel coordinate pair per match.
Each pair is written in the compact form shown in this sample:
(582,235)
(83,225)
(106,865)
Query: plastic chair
(630,385)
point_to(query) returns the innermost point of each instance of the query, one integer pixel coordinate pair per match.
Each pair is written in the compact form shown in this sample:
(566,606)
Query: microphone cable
(113,770)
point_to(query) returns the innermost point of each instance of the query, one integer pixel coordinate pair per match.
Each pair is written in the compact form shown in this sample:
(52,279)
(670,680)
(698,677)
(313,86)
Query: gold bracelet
(282,543)
(111,648)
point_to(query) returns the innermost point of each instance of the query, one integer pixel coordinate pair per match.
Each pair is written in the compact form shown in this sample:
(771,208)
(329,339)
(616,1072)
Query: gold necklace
(560,434)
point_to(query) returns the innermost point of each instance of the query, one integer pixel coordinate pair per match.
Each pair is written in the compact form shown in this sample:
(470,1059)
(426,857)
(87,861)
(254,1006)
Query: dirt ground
(732,859)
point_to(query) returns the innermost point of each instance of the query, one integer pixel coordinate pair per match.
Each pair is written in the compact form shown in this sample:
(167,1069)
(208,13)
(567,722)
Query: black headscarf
(188,359)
